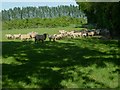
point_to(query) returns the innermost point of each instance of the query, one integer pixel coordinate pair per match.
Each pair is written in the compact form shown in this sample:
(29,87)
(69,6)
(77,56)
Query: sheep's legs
(35,40)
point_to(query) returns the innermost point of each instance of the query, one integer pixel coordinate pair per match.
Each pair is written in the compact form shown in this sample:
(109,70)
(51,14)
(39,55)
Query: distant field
(68,63)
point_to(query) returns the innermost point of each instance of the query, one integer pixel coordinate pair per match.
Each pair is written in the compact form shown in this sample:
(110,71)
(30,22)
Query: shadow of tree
(40,60)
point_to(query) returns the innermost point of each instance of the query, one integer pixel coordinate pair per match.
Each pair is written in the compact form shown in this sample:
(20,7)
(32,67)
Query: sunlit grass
(68,63)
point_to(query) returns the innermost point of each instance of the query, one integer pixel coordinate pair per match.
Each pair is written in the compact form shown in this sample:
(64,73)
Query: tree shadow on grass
(42,64)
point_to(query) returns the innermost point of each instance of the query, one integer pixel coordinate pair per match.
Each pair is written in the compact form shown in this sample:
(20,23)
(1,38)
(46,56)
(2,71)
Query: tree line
(41,12)
(42,16)
(103,15)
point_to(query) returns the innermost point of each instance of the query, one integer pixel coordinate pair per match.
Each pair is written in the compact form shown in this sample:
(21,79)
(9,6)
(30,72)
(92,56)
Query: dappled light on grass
(90,77)
(71,63)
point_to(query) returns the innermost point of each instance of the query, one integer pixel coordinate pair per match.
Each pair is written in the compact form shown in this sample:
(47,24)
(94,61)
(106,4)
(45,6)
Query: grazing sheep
(58,36)
(9,36)
(52,37)
(17,36)
(97,32)
(70,33)
(33,34)
(62,31)
(84,34)
(25,37)
(91,33)
(40,37)
(77,34)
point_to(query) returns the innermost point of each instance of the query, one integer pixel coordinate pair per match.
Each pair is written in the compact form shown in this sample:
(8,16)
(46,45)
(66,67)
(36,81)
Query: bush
(43,23)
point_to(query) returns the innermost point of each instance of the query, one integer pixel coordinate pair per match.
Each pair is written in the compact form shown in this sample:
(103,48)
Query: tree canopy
(103,14)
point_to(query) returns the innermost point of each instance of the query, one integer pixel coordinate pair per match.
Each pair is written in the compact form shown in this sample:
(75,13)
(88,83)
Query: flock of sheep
(62,34)
(21,36)
(72,34)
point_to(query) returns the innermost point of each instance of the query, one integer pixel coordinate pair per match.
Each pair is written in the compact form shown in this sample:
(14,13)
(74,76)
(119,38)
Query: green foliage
(103,14)
(43,16)
(40,23)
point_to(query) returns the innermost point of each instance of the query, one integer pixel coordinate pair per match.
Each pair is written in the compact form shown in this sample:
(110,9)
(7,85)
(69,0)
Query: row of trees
(43,16)
(103,14)
(41,12)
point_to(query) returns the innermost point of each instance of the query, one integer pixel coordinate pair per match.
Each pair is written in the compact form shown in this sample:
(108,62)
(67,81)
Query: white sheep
(84,33)
(33,34)
(52,37)
(25,37)
(58,36)
(78,34)
(9,36)
(91,33)
(62,31)
(17,36)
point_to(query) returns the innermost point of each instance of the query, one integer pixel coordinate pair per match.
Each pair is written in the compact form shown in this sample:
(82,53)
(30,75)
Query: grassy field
(68,63)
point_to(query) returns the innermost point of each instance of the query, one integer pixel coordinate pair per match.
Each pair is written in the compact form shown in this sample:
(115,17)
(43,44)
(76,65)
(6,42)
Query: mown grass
(68,63)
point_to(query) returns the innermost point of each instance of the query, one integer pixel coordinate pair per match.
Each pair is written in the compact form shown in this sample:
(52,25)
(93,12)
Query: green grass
(68,63)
